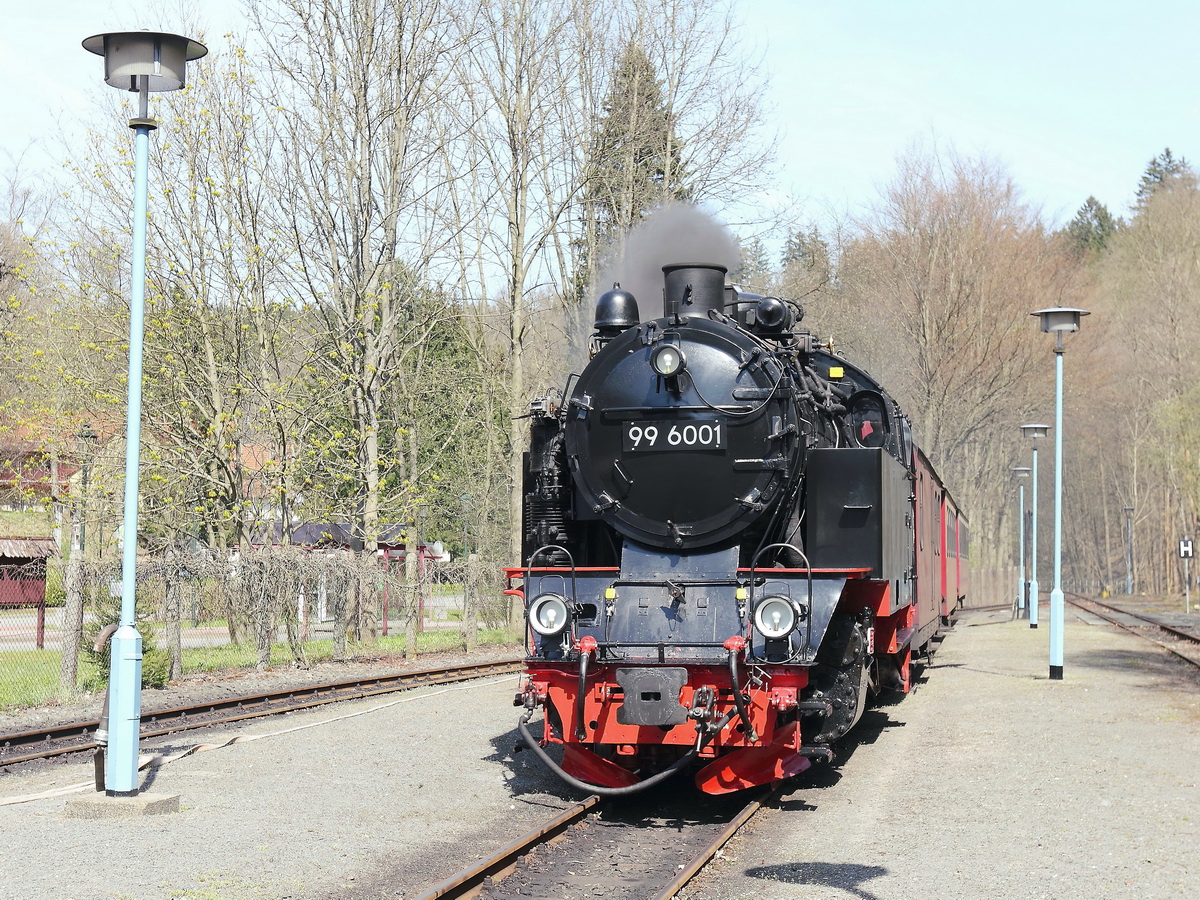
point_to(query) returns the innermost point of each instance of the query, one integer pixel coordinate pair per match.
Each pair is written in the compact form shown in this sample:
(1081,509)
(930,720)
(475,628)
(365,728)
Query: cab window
(869,421)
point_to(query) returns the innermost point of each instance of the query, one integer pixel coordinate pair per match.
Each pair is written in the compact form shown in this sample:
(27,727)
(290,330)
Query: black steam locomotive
(730,541)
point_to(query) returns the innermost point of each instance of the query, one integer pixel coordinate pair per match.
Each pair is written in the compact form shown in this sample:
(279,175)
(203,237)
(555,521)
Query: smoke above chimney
(678,233)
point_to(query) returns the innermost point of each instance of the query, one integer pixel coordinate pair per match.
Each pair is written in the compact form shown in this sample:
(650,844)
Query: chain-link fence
(265,608)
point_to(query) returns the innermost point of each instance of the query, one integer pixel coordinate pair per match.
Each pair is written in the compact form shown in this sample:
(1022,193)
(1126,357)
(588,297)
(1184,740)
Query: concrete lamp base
(101,806)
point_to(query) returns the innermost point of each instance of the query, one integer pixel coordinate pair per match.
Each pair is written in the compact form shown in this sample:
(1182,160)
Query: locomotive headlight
(775,617)
(549,615)
(667,360)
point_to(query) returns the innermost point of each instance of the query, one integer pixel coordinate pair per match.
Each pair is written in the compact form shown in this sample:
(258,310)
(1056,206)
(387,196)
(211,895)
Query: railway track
(646,849)
(1180,642)
(74,737)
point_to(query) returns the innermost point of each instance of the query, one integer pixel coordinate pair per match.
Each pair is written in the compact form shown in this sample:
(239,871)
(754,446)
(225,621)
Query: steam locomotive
(731,542)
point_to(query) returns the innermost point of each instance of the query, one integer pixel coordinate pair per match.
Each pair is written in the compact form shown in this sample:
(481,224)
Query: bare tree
(524,122)
(713,88)
(357,86)
(1147,292)
(938,290)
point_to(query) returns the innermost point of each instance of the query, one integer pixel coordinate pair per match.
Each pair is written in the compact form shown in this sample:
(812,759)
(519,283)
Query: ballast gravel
(990,781)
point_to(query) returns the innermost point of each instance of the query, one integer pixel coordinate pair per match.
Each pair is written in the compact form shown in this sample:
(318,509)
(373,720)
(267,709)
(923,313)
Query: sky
(1071,97)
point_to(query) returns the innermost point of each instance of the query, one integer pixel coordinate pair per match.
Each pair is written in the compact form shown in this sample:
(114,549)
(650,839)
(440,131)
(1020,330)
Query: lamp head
(1060,318)
(1021,471)
(163,58)
(1033,432)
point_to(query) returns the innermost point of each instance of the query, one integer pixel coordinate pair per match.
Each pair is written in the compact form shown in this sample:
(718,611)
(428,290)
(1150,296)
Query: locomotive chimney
(692,289)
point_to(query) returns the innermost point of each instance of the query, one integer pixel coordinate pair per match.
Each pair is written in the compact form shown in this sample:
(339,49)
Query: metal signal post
(1185,553)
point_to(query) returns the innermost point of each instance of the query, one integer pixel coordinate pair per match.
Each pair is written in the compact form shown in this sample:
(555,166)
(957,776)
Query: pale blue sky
(1072,97)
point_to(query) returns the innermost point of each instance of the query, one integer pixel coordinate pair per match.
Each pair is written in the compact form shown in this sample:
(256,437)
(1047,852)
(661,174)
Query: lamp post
(1058,321)
(1129,550)
(1021,472)
(139,62)
(1033,432)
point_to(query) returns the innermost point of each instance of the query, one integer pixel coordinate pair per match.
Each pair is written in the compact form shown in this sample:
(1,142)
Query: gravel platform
(396,785)
(990,781)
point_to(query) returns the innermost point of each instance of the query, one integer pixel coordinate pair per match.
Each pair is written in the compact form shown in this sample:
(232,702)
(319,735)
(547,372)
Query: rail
(478,875)
(1093,606)
(75,737)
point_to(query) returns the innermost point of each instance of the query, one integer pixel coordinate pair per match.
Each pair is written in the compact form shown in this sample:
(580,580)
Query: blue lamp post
(1129,550)
(1021,472)
(1033,432)
(139,62)
(1058,320)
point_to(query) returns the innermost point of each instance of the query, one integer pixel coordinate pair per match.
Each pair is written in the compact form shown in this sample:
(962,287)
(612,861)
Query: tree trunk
(172,614)
(72,626)
(470,590)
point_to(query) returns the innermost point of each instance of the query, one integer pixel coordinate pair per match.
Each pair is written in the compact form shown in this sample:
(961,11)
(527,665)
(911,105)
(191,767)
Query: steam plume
(671,234)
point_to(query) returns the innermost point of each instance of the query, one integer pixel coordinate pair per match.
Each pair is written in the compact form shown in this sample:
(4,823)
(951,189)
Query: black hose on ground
(101,736)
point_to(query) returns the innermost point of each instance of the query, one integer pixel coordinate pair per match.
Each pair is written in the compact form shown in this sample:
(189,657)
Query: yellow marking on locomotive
(837,372)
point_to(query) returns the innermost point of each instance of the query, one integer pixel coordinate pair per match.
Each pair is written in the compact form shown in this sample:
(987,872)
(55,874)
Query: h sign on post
(1185,553)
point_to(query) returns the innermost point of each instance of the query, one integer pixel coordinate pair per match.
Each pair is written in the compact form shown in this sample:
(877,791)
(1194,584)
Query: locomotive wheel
(840,675)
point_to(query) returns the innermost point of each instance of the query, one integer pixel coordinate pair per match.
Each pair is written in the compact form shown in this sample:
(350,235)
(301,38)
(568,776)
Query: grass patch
(441,639)
(25,523)
(31,677)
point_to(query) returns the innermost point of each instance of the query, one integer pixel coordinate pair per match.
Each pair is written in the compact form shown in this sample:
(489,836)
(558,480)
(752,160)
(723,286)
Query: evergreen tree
(1092,227)
(807,267)
(754,271)
(635,163)
(1164,172)
(636,156)
(806,249)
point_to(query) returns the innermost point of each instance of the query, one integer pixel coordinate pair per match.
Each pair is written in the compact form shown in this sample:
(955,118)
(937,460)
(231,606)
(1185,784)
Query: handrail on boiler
(808,617)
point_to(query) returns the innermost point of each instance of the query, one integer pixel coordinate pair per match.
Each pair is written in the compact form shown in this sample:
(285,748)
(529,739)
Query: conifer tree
(1164,172)
(1092,227)
(635,163)
(636,154)
(754,271)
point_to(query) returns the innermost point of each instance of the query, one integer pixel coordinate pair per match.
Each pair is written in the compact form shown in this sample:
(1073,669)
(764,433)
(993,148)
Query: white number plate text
(697,434)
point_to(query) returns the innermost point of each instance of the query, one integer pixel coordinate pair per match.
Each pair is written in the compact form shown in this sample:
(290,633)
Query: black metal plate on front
(652,696)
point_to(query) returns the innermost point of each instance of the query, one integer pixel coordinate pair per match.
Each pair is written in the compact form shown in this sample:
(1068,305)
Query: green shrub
(56,593)
(156,667)
(156,663)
